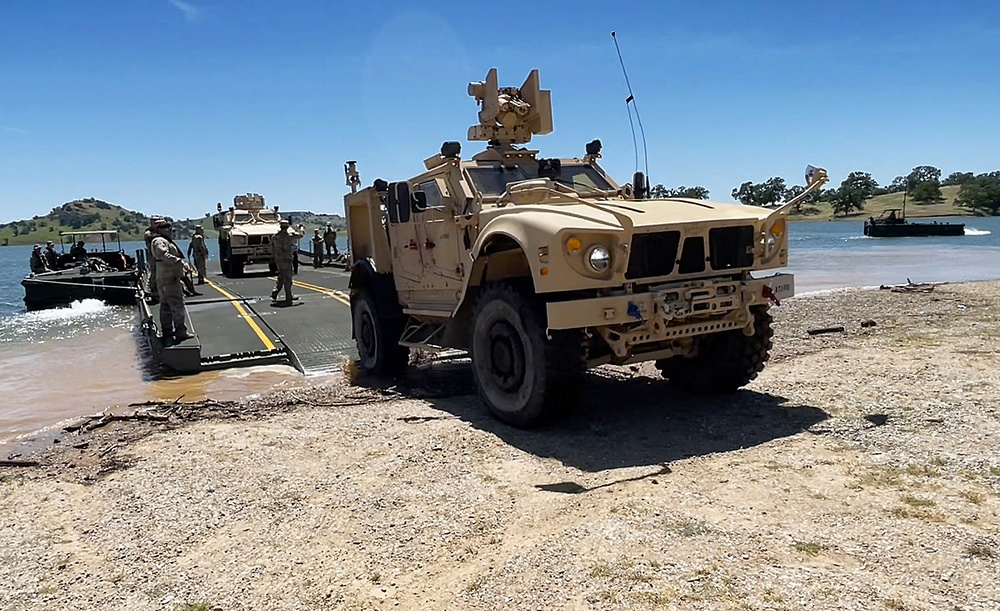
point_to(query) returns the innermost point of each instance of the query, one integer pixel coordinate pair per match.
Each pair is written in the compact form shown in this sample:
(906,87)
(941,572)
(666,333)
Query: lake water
(59,364)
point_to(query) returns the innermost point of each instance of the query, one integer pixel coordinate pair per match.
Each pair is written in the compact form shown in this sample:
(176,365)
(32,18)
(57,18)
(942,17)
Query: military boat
(109,275)
(893,224)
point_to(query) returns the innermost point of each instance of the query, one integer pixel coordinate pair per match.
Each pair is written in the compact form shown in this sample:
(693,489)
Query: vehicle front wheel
(725,361)
(376,335)
(525,379)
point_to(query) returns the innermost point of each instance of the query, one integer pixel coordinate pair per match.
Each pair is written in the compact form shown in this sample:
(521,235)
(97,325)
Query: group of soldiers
(170,276)
(170,273)
(48,260)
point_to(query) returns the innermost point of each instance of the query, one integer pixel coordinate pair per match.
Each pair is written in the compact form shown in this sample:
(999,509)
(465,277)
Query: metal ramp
(236,324)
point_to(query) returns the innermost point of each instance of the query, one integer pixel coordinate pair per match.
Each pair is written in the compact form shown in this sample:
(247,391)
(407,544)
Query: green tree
(796,190)
(898,185)
(981,194)
(926,192)
(766,193)
(958,178)
(924,184)
(659,191)
(853,192)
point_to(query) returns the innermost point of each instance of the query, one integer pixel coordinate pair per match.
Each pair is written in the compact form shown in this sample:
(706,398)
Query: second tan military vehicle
(540,268)
(245,232)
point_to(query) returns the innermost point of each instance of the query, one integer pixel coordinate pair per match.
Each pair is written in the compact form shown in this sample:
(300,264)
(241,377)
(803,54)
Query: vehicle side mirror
(418,201)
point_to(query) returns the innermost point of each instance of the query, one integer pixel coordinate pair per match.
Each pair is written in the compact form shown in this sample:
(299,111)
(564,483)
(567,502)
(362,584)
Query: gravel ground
(859,471)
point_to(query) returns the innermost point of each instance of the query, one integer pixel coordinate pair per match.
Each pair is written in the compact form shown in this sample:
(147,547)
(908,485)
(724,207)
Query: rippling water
(57,364)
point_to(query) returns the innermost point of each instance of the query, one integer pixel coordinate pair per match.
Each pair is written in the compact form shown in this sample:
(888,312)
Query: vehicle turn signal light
(778,227)
(573,244)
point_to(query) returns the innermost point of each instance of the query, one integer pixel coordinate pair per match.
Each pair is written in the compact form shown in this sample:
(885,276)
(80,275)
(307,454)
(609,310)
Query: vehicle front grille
(731,247)
(257,240)
(656,254)
(693,256)
(652,254)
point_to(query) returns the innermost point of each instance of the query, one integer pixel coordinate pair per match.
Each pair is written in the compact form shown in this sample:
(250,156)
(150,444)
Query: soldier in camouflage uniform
(170,269)
(199,249)
(148,238)
(283,251)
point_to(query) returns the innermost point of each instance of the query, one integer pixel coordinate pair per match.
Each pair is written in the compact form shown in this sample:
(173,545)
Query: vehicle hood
(255,229)
(640,214)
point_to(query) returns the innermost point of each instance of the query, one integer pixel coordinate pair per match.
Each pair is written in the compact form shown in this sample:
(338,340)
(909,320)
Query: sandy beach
(860,470)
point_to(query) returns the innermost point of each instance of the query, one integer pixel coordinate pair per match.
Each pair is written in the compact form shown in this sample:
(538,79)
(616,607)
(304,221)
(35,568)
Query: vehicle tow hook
(768,293)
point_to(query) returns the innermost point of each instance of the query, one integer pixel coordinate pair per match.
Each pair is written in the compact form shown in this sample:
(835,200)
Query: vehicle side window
(432,194)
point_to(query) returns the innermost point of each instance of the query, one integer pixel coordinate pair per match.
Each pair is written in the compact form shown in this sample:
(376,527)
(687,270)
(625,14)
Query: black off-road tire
(224,259)
(725,361)
(523,378)
(236,266)
(376,334)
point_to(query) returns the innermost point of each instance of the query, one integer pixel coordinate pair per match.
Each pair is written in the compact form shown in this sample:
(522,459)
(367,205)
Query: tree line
(980,193)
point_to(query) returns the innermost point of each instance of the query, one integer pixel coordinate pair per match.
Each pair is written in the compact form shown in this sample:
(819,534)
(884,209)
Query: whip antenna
(631,100)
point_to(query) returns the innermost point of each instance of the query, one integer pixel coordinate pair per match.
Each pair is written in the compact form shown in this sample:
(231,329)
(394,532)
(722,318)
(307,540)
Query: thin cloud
(13,130)
(190,11)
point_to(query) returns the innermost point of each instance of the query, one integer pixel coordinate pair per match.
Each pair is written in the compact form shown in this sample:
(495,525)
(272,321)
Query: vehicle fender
(508,230)
(364,274)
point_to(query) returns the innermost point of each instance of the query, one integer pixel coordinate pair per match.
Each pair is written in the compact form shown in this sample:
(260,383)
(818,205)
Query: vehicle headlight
(771,242)
(598,258)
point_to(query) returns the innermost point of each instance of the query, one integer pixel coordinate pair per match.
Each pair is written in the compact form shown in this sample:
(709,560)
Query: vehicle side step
(421,334)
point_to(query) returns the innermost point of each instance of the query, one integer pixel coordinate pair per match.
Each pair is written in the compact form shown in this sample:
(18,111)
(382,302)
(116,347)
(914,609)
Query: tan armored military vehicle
(245,232)
(541,268)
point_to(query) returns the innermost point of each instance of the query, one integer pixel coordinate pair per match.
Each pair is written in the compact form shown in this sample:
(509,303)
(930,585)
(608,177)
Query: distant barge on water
(109,275)
(891,225)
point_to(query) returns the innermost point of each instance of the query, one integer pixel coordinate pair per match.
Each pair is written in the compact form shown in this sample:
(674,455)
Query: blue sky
(165,106)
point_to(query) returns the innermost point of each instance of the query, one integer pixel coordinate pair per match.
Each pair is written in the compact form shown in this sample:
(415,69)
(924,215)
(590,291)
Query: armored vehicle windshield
(492,180)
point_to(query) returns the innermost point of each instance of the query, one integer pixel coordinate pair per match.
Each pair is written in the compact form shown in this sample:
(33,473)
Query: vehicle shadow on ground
(640,421)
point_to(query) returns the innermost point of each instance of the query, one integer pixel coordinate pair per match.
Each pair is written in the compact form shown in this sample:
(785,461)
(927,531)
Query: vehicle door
(406,253)
(438,236)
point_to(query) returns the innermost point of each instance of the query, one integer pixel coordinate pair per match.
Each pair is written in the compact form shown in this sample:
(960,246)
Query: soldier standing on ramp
(330,239)
(199,249)
(317,245)
(283,249)
(170,266)
(148,237)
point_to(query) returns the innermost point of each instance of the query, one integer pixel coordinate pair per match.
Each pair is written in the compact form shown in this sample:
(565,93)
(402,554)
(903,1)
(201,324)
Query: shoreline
(858,469)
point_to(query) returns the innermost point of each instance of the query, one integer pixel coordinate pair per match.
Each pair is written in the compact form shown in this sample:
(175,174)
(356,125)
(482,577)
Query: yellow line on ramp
(246,315)
(322,289)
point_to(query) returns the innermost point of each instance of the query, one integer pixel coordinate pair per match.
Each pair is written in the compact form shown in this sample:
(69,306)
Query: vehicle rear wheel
(376,335)
(725,361)
(525,379)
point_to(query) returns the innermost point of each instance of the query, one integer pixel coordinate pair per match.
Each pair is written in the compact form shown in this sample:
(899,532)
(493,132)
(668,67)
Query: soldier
(330,240)
(78,252)
(199,249)
(38,260)
(51,256)
(148,237)
(317,244)
(300,231)
(283,251)
(170,266)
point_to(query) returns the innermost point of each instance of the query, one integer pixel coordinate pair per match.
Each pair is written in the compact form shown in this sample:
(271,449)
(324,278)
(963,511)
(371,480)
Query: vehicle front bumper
(670,304)
(257,252)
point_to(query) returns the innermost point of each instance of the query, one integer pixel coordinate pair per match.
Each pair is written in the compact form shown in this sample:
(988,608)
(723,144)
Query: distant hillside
(93,214)
(876,205)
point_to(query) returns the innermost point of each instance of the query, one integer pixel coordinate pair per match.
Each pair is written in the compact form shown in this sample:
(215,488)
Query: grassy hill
(876,205)
(94,214)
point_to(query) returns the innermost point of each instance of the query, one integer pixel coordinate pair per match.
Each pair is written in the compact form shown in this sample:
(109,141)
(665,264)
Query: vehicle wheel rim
(506,357)
(367,335)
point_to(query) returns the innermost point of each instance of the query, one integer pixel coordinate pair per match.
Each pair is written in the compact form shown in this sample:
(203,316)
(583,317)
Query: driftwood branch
(13,462)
